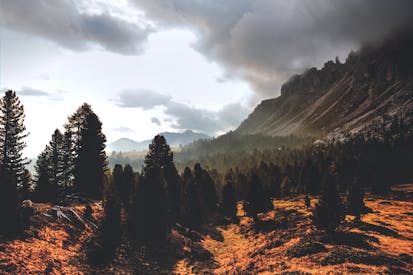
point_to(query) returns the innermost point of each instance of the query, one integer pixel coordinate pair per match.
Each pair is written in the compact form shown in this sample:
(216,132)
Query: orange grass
(245,251)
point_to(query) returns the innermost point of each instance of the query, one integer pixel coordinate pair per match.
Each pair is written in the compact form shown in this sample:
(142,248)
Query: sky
(148,66)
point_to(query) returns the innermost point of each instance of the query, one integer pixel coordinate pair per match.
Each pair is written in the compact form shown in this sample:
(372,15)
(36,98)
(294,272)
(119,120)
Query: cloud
(36,93)
(65,24)
(182,116)
(156,121)
(265,42)
(142,98)
(123,130)
(27,91)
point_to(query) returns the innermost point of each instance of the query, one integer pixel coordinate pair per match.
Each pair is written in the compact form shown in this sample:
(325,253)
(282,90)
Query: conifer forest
(311,173)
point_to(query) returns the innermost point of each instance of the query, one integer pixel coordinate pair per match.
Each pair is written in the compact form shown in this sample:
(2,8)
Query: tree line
(144,205)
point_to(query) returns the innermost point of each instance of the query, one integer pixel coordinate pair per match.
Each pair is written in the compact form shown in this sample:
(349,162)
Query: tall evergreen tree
(207,190)
(355,200)
(91,163)
(72,139)
(191,214)
(45,189)
(155,195)
(8,204)
(257,199)
(27,185)
(55,153)
(161,156)
(12,133)
(128,185)
(229,201)
(103,249)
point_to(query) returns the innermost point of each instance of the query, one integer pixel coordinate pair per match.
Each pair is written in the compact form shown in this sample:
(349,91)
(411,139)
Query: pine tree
(257,199)
(55,155)
(91,163)
(8,204)
(191,214)
(128,185)
(329,211)
(72,139)
(207,189)
(109,237)
(67,160)
(154,194)
(12,133)
(27,185)
(161,156)
(355,200)
(45,189)
(229,201)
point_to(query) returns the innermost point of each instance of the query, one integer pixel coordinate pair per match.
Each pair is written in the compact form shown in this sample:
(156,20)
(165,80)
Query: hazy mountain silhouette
(173,139)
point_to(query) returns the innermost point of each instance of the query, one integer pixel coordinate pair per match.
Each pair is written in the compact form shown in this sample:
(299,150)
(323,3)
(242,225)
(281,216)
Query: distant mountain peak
(174,139)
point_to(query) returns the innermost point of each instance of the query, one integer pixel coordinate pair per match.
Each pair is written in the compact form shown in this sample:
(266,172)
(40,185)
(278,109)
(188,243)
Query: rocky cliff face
(374,82)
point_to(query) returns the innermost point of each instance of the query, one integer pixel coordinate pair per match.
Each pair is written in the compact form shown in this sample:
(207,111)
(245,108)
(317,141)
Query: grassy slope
(375,245)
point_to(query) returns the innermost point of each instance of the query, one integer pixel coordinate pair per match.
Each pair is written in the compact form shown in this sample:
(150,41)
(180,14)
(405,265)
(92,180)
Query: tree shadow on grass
(364,226)
(354,239)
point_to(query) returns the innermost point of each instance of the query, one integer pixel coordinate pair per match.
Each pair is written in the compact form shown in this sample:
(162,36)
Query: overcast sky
(148,66)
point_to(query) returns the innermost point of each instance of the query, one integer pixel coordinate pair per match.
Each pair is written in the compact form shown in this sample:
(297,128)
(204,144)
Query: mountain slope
(374,82)
(173,139)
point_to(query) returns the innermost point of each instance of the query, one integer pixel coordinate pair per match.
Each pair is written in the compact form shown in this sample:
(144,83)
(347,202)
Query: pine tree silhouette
(72,139)
(12,133)
(257,199)
(91,163)
(26,190)
(355,200)
(191,214)
(8,204)
(45,189)
(208,199)
(229,201)
(103,248)
(155,194)
(329,211)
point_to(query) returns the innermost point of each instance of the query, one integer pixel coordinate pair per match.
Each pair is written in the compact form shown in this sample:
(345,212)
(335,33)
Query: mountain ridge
(374,82)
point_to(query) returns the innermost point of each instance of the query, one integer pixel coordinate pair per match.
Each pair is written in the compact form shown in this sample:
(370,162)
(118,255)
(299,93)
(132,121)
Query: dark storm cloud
(156,121)
(266,41)
(184,116)
(62,22)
